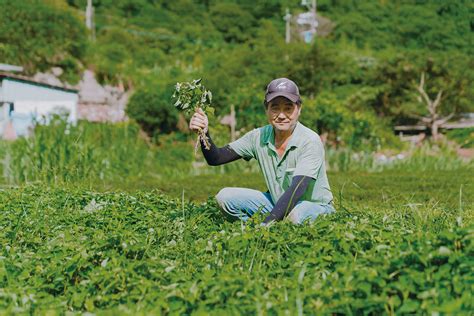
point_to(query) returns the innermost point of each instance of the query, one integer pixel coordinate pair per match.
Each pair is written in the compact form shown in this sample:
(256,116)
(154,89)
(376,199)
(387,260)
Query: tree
(235,24)
(433,120)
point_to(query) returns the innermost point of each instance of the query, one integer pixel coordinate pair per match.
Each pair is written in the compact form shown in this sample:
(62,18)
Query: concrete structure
(23,100)
(99,103)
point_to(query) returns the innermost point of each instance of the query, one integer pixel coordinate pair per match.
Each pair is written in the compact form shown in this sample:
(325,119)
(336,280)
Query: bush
(344,124)
(232,21)
(154,111)
(464,137)
(39,35)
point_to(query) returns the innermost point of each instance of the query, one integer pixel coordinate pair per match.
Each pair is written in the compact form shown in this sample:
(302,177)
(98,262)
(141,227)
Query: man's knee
(307,212)
(297,216)
(242,202)
(223,196)
(224,200)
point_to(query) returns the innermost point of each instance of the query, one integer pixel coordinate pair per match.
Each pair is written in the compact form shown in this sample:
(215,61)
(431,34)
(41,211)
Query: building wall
(31,101)
(13,91)
(38,109)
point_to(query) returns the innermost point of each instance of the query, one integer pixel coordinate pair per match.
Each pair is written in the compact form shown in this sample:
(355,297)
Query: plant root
(202,138)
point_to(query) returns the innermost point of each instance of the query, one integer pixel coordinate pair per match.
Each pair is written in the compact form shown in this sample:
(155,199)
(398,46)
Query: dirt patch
(466,153)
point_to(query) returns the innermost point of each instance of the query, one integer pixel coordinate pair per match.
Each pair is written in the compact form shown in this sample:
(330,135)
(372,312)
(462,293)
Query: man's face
(283,114)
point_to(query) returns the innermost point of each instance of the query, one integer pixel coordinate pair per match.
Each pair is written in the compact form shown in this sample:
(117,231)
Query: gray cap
(282,87)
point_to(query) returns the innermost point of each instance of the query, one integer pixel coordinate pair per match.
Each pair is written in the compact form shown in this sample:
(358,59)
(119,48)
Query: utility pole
(315,22)
(234,122)
(230,120)
(287,18)
(90,19)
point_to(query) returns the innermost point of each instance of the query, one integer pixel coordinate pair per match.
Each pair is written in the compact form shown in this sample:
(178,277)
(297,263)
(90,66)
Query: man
(290,155)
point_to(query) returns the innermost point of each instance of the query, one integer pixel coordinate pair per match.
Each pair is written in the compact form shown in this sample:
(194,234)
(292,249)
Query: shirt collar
(294,140)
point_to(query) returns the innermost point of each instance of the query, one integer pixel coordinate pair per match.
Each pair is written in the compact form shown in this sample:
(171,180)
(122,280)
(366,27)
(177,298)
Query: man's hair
(299,102)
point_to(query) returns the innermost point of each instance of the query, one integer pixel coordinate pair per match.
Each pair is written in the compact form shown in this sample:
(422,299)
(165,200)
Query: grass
(95,219)
(441,187)
(399,243)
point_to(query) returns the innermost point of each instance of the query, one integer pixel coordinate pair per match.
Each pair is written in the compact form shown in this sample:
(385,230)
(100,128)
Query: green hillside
(369,64)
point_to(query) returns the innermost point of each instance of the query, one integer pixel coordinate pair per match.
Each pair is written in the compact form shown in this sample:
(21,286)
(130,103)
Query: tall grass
(110,153)
(61,152)
(425,158)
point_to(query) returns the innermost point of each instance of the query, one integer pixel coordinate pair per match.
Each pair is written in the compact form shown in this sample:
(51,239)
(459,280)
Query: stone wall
(99,103)
(100,113)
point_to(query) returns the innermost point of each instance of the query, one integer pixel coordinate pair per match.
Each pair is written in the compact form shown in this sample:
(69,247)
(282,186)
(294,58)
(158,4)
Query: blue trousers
(242,203)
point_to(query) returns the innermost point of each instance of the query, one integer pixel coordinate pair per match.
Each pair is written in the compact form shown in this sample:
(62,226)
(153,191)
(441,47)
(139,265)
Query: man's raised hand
(199,121)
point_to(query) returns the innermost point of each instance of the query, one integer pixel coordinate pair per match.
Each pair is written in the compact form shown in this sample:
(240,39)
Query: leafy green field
(119,218)
(400,243)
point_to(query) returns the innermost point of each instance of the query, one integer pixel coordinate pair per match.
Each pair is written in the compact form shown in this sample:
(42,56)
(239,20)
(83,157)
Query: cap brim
(289,96)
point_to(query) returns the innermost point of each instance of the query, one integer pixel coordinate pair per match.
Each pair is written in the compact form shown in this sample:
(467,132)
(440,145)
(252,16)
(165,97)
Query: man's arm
(214,156)
(288,200)
(217,156)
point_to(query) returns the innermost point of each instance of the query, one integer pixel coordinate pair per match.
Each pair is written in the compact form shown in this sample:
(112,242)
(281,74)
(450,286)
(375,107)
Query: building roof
(6,67)
(24,79)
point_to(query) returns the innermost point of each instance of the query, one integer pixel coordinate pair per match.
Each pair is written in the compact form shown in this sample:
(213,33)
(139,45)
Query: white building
(23,100)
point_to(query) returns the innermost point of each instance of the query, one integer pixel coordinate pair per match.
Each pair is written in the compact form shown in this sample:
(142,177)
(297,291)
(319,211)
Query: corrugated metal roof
(7,75)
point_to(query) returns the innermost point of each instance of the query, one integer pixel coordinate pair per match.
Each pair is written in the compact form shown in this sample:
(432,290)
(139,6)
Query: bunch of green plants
(191,96)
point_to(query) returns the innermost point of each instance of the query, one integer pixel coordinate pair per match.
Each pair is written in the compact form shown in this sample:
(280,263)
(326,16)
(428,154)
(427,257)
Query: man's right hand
(199,121)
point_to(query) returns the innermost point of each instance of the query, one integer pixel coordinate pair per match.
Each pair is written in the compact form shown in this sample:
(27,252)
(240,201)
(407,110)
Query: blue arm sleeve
(288,200)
